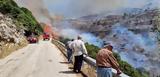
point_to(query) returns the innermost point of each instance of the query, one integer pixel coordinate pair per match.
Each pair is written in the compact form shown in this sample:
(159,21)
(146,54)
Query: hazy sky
(78,8)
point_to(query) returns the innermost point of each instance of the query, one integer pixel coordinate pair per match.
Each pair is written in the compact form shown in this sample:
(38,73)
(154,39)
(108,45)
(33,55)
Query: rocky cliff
(11,37)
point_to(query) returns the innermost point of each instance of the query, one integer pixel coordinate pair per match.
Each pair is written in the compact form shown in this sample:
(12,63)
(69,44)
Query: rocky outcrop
(11,37)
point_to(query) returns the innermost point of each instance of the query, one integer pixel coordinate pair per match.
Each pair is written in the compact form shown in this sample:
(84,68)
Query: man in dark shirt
(105,61)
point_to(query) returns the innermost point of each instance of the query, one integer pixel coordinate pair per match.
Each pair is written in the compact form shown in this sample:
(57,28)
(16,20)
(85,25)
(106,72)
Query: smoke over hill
(134,36)
(78,8)
(38,9)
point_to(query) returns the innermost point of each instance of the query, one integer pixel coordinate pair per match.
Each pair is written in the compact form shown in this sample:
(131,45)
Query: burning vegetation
(49,29)
(134,36)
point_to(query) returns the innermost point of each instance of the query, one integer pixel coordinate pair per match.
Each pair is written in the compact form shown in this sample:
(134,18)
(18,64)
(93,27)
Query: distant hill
(134,34)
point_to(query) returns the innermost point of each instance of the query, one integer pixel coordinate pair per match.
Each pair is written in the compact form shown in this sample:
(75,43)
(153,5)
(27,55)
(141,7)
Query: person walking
(70,54)
(69,50)
(79,50)
(105,61)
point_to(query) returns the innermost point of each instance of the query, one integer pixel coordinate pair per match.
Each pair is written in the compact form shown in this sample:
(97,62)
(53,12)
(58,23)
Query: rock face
(11,37)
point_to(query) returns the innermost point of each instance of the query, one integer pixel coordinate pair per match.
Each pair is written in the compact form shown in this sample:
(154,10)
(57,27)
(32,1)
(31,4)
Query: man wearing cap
(105,61)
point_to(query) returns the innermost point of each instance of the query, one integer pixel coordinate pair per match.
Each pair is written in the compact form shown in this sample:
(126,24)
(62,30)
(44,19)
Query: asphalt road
(36,60)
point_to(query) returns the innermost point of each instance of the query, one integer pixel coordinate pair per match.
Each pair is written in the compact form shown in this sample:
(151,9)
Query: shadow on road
(67,72)
(70,67)
(64,62)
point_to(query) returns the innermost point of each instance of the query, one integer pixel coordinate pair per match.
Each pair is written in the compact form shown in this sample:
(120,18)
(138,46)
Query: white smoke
(68,32)
(42,9)
(140,50)
(79,8)
(38,8)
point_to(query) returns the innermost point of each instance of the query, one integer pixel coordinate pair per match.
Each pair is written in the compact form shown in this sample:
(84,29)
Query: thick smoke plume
(79,8)
(38,9)
(65,30)
(140,50)
(87,37)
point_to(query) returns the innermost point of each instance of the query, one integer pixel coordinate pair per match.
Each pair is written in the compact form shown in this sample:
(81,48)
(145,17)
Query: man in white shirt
(79,50)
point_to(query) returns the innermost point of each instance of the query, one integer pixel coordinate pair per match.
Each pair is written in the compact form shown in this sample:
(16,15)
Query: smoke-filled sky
(38,8)
(78,8)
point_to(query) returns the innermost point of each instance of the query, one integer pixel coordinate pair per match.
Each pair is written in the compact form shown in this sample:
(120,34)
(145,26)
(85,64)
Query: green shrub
(20,16)
(92,50)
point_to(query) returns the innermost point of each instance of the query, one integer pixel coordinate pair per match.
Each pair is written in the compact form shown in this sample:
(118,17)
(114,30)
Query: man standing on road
(79,49)
(105,61)
(69,50)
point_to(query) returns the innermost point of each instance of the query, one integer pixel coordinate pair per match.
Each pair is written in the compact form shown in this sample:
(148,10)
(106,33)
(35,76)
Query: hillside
(15,24)
(22,17)
(135,36)
(145,19)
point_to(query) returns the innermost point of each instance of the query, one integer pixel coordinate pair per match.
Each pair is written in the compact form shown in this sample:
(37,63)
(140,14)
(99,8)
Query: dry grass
(8,48)
(88,70)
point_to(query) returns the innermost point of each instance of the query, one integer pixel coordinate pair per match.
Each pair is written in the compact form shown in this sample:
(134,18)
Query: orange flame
(49,29)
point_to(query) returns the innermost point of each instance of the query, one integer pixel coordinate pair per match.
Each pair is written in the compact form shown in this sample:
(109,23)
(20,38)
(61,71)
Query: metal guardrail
(60,46)
(90,61)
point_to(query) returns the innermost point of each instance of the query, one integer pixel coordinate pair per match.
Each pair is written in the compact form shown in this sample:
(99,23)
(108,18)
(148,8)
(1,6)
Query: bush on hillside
(92,50)
(21,16)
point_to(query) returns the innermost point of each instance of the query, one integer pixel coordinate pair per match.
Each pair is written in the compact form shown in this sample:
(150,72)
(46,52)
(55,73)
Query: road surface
(36,60)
